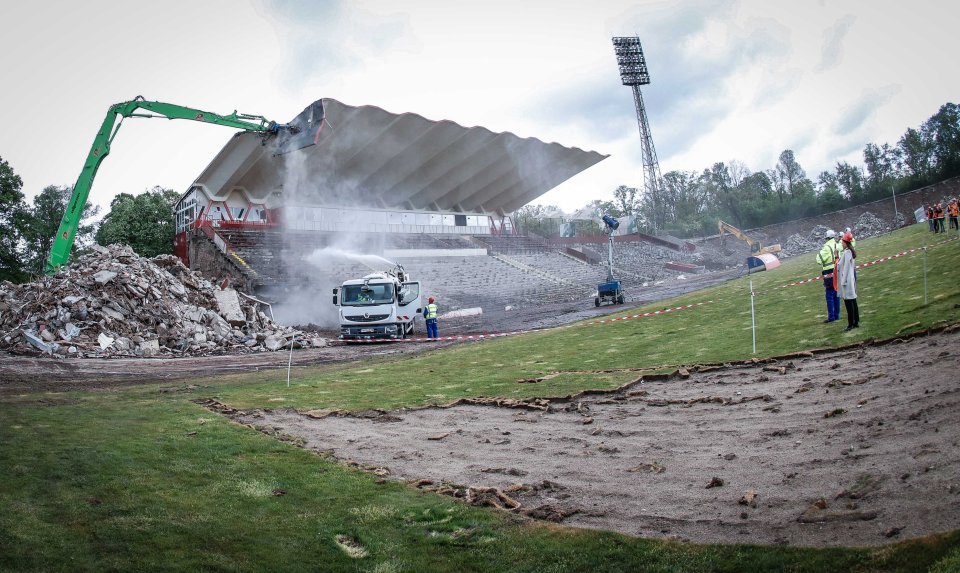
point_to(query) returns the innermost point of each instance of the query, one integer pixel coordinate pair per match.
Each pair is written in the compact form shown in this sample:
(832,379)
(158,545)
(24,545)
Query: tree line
(689,203)
(144,221)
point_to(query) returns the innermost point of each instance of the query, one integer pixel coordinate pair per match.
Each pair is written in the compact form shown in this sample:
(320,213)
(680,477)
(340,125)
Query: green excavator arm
(66,234)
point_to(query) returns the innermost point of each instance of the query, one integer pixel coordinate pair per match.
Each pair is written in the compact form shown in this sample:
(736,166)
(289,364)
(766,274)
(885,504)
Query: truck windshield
(373,293)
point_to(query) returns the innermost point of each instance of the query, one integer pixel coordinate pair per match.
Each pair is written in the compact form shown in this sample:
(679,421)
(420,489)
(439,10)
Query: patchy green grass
(139,479)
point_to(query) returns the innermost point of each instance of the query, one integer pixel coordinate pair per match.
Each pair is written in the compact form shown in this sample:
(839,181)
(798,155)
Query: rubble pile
(817,235)
(112,302)
(869,225)
(797,245)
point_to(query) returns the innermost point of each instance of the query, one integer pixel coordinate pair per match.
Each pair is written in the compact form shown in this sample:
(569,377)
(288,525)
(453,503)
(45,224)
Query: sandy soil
(854,447)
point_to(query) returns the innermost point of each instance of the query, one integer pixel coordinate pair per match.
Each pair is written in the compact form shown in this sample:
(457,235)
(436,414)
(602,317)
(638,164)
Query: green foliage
(11,209)
(625,200)
(543,220)
(145,222)
(40,222)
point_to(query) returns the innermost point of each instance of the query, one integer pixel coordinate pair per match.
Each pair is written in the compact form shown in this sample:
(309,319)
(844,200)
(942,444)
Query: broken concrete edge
(544,403)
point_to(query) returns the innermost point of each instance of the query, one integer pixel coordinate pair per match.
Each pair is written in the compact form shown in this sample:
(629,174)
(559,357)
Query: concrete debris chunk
(112,302)
(150,347)
(104,277)
(228,303)
(104,341)
(273,343)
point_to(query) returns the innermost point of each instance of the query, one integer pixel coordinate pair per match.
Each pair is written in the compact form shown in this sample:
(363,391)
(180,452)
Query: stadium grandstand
(433,195)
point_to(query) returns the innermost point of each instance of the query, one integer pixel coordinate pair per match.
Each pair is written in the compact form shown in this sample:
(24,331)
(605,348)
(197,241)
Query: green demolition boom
(63,242)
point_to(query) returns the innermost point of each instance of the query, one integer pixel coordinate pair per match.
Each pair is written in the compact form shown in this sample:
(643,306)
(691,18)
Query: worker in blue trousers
(430,314)
(826,260)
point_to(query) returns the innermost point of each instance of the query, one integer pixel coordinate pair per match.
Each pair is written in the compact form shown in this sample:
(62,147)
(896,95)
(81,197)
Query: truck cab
(379,305)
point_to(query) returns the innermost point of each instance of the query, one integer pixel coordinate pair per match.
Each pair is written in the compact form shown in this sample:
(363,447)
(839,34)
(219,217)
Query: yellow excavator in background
(755,247)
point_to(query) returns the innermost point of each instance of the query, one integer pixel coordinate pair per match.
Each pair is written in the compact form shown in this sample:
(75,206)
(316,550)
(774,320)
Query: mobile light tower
(633,73)
(611,290)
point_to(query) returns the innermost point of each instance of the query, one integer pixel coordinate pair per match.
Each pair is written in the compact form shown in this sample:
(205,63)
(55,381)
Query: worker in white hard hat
(826,260)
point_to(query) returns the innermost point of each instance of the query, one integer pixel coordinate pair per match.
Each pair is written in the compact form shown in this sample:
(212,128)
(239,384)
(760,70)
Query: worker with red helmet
(430,314)
(846,281)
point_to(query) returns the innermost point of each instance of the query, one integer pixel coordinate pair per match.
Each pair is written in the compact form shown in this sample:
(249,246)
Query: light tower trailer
(379,305)
(609,292)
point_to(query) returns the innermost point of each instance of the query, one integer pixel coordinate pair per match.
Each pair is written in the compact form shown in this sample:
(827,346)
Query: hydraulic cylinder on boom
(66,234)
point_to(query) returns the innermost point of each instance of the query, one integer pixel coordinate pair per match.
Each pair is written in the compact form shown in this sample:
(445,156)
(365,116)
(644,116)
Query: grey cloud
(856,115)
(844,148)
(323,37)
(687,94)
(776,87)
(832,51)
(802,141)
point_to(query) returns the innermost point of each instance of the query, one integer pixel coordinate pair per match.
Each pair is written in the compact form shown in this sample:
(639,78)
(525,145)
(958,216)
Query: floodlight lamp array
(633,66)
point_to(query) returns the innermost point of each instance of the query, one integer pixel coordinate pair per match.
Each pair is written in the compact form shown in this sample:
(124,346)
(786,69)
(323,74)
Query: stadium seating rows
(517,269)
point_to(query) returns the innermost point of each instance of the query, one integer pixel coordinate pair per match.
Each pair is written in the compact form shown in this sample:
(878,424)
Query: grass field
(144,479)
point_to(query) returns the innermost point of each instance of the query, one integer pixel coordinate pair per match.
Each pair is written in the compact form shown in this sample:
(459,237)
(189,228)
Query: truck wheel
(596,301)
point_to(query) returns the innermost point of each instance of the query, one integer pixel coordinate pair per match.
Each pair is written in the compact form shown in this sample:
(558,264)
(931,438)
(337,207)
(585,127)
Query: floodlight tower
(633,73)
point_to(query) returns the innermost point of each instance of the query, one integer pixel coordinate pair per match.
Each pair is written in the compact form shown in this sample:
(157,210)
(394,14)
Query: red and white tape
(871,263)
(463,337)
(645,314)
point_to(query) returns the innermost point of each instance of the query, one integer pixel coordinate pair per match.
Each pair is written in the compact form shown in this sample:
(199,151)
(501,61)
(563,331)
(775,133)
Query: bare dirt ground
(19,374)
(852,447)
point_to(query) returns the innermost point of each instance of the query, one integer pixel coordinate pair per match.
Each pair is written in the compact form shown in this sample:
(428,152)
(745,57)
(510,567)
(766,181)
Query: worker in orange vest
(931,222)
(954,210)
(938,213)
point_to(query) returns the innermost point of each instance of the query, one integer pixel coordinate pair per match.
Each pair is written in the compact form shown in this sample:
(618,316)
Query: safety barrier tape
(463,337)
(645,314)
(871,263)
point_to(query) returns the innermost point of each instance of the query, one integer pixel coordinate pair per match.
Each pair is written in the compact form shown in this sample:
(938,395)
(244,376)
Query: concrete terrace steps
(517,270)
(529,269)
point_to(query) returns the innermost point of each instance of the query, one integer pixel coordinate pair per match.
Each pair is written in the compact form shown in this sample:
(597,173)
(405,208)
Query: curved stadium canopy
(368,157)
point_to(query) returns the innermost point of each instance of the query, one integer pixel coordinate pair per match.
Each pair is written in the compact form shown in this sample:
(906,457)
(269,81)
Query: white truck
(379,305)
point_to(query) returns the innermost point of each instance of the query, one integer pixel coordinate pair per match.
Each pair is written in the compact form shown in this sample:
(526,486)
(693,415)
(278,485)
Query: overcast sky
(731,80)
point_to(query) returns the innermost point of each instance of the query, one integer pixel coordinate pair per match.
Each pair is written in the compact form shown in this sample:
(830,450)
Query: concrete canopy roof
(368,157)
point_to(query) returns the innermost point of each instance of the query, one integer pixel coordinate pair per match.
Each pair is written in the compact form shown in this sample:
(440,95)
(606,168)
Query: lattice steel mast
(633,73)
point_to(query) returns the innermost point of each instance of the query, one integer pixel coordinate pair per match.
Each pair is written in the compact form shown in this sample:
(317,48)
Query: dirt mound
(113,302)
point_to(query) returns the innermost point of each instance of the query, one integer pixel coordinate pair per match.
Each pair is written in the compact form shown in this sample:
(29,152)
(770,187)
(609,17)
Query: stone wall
(206,258)
(882,209)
